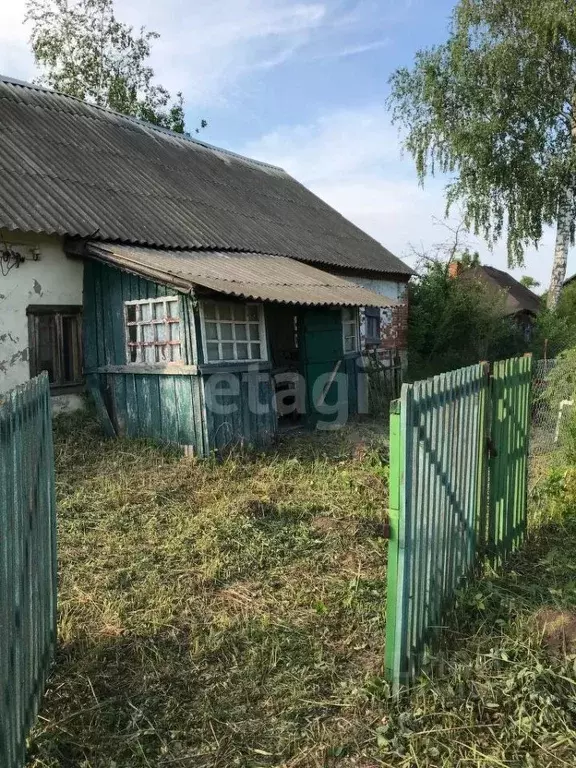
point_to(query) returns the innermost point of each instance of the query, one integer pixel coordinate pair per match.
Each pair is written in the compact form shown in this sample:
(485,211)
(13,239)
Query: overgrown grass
(231,614)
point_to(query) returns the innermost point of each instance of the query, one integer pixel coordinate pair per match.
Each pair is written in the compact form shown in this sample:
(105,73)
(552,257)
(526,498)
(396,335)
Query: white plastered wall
(47,276)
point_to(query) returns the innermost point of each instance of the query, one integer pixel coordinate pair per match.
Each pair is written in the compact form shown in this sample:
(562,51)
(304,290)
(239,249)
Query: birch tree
(494,107)
(82,50)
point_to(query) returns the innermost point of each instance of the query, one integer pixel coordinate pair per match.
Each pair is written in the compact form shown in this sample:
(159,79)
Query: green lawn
(231,614)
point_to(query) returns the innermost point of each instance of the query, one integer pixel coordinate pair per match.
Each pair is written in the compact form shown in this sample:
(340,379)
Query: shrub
(454,322)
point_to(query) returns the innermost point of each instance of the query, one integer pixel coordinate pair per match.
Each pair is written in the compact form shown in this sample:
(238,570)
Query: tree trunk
(560,250)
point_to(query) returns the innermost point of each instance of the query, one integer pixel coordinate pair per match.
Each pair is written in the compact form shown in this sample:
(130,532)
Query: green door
(321,351)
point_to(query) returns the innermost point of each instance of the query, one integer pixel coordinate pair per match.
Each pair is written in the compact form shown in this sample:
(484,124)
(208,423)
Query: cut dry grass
(213,613)
(231,614)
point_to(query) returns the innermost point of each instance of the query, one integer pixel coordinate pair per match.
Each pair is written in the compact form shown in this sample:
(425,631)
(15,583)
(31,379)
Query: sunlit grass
(231,613)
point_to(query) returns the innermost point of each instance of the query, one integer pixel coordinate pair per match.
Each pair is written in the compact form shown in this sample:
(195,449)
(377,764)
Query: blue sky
(302,84)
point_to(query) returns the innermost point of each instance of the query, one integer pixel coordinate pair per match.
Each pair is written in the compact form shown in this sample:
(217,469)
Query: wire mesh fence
(547,417)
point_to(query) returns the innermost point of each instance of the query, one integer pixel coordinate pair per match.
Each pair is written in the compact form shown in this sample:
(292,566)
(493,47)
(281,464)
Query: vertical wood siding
(169,408)
(450,506)
(105,291)
(27,562)
(165,407)
(244,424)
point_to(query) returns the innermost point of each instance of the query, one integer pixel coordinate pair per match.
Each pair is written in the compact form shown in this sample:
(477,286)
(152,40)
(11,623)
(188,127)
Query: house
(520,303)
(201,296)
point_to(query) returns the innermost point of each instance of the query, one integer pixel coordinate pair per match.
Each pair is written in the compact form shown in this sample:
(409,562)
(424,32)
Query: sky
(303,84)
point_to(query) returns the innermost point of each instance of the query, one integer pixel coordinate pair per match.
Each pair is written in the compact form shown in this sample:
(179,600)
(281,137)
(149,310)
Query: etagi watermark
(288,394)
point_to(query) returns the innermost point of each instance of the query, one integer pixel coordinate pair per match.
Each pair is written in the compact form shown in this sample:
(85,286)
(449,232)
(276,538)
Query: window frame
(262,341)
(374,313)
(139,323)
(58,312)
(345,336)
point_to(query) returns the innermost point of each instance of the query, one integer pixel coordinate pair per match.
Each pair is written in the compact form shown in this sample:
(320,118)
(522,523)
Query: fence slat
(451,505)
(27,562)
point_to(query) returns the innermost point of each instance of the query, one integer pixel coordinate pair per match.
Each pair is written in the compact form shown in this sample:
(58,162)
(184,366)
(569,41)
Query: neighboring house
(520,303)
(148,265)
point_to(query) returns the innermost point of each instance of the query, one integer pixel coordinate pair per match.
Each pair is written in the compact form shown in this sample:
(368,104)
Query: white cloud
(212,49)
(207,48)
(352,159)
(352,50)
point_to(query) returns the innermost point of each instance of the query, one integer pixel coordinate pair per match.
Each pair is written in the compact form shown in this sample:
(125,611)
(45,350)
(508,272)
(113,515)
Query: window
(233,331)
(350,329)
(55,344)
(153,331)
(372,315)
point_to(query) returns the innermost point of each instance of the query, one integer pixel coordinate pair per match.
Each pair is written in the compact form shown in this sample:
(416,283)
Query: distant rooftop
(518,297)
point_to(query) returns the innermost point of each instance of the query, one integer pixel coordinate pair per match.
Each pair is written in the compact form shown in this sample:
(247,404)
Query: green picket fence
(27,562)
(508,467)
(458,464)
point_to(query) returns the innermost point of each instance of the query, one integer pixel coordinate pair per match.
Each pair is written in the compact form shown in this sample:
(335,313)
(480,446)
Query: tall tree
(84,51)
(495,108)
(529,282)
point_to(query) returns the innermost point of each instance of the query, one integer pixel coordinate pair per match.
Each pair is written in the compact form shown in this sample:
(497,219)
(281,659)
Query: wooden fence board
(442,517)
(27,562)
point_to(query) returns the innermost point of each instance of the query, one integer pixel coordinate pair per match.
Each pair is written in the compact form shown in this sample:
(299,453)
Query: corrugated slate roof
(75,169)
(264,277)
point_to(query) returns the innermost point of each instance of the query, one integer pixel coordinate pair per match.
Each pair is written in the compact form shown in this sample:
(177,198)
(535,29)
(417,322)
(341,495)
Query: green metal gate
(458,463)
(27,562)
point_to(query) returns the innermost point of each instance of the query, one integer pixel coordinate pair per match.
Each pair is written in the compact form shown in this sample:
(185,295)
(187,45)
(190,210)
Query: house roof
(263,277)
(518,297)
(73,168)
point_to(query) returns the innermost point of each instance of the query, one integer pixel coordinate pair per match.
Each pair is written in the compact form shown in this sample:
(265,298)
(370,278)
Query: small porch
(192,358)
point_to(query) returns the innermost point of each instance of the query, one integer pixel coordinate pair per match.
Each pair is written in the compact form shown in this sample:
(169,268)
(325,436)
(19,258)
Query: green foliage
(456,322)
(493,107)
(84,51)
(554,331)
(468,258)
(529,282)
(567,304)
(561,380)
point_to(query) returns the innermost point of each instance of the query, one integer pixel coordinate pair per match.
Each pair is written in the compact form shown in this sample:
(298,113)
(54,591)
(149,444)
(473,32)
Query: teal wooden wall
(244,423)
(166,406)
(105,291)
(157,405)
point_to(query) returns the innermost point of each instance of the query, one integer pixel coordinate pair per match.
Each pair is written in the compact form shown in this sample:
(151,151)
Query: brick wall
(394,327)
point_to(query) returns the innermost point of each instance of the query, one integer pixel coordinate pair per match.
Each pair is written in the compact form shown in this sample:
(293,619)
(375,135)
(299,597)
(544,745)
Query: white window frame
(262,341)
(139,324)
(346,324)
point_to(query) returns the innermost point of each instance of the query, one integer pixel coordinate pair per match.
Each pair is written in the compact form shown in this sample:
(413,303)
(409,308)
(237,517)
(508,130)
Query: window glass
(153,331)
(228,327)
(350,329)
(372,328)
(55,343)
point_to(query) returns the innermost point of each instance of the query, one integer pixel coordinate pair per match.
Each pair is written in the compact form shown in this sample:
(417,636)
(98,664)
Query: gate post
(483,453)
(395,473)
